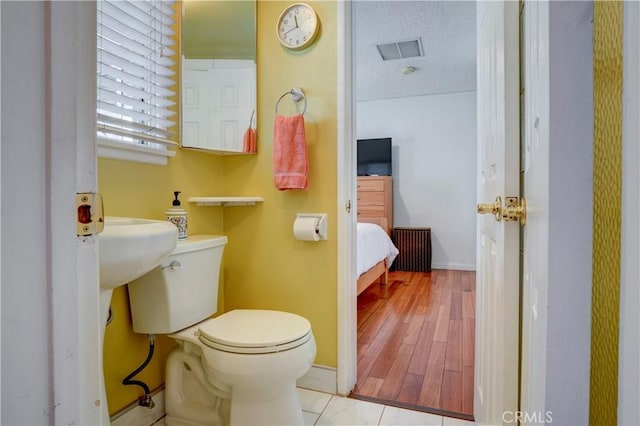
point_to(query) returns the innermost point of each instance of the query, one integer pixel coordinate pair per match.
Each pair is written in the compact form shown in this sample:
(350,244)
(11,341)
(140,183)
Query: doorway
(423,165)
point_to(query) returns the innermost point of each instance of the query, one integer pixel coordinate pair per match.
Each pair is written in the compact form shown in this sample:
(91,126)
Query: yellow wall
(143,190)
(263,265)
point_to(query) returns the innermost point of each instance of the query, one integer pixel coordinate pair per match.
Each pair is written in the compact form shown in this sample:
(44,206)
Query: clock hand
(295,18)
(289,30)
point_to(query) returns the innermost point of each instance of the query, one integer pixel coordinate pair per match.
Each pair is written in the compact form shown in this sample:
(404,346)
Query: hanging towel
(249,143)
(249,140)
(290,165)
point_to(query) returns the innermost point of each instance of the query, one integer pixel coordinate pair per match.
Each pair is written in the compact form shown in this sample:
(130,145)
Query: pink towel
(249,141)
(290,166)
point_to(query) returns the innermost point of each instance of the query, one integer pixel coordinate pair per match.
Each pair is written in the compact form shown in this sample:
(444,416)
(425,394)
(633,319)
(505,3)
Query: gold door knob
(515,210)
(494,209)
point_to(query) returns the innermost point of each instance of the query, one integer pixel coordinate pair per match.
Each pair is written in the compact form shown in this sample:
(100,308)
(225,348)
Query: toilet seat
(252,331)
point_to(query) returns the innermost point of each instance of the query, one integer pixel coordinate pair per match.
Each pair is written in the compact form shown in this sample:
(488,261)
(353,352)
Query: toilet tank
(182,291)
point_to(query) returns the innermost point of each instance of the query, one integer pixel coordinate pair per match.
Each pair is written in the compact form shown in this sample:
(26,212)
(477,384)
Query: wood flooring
(416,342)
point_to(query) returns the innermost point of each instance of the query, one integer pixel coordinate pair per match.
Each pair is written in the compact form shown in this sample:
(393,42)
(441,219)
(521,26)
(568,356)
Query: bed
(376,252)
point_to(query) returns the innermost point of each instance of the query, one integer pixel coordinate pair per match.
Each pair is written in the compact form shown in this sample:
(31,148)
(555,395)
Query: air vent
(400,49)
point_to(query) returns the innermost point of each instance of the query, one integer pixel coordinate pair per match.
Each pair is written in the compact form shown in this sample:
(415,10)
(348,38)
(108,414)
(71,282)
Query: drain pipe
(146,400)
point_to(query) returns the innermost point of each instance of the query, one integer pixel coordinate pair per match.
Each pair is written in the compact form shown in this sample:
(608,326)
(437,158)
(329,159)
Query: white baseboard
(136,415)
(319,378)
(454,266)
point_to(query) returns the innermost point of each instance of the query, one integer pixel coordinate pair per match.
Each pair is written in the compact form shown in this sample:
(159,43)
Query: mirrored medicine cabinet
(218,74)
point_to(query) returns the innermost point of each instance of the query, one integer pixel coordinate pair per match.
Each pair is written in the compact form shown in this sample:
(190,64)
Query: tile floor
(325,409)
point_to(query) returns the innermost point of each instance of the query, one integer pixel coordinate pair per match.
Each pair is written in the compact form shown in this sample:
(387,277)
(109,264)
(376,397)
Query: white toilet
(239,368)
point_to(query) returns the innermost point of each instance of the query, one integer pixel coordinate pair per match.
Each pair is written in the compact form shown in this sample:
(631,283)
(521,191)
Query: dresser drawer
(370,198)
(372,211)
(375,200)
(370,185)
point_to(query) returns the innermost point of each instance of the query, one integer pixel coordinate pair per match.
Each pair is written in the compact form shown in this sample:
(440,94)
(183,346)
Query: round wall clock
(298,26)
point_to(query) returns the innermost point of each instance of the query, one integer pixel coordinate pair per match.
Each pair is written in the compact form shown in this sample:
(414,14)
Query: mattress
(373,246)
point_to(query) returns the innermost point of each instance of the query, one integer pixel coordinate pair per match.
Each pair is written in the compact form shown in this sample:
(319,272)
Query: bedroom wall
(434,168)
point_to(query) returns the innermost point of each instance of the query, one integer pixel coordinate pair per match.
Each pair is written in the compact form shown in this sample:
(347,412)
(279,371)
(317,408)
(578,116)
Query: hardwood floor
(416,341)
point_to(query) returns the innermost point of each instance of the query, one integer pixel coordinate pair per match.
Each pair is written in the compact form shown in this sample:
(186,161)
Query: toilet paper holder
(320,223)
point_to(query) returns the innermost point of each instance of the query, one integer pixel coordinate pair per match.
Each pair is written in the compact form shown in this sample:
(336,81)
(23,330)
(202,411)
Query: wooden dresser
(375,201)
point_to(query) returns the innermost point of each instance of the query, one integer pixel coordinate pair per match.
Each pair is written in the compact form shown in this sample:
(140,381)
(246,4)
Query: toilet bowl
(255,356)
(239,368)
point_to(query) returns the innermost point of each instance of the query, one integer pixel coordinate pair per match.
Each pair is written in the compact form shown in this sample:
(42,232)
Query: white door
(232,94)
(195,104)
(218,103)
(497,303)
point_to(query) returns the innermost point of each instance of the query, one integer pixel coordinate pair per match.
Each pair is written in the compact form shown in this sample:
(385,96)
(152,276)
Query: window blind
(135,79)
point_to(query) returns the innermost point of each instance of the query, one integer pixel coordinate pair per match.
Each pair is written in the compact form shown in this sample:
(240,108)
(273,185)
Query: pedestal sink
(129,248)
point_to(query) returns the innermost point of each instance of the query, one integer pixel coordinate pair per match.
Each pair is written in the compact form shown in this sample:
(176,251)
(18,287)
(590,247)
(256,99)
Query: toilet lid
(255,331)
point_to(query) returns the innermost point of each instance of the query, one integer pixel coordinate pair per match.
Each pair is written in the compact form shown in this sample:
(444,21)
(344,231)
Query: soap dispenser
(178,216)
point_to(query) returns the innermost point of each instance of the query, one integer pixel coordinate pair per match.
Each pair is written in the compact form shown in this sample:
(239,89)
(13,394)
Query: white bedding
(373,245)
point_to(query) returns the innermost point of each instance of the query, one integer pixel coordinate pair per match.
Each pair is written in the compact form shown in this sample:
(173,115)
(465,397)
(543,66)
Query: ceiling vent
(401,49)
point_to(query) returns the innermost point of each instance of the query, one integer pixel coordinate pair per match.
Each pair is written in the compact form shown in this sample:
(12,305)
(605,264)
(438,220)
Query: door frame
(346,373)
(75,301)
(51,353)
(565,371)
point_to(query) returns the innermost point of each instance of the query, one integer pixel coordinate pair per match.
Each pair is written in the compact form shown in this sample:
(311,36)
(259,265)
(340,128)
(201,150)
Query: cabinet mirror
(218,74)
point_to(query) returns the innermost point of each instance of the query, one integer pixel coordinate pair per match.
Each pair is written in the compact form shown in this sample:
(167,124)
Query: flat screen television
(374,157)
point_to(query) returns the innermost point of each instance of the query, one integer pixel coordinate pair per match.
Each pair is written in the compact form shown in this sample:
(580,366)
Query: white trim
(558,129)
(454,266)
(136,153)
(629,350)
(347,333)
(136,415)
(0,204)
(319,378)
(73,262)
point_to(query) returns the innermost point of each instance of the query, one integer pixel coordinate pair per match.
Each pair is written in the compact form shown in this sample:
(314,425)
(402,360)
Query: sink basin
(131,247)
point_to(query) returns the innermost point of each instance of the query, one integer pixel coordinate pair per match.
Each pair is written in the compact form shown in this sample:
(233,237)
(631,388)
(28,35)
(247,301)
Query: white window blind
(135,80)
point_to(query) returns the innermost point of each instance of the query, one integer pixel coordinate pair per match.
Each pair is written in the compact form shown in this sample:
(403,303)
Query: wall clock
(298,26)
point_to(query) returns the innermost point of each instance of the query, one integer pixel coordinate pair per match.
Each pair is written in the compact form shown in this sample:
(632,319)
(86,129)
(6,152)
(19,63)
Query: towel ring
(297,95)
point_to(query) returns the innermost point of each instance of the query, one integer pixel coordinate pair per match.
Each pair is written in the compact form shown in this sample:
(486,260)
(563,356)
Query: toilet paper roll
(304,228)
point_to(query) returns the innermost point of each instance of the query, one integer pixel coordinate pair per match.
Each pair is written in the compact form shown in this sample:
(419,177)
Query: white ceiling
(448,32)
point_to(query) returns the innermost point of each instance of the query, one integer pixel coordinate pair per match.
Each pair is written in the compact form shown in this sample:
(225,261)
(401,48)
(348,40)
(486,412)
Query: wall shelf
(225,201)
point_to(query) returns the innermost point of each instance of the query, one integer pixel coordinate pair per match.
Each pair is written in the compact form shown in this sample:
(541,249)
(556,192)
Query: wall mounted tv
(374,157)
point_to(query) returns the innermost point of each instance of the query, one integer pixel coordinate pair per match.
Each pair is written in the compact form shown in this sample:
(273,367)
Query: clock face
(297,26)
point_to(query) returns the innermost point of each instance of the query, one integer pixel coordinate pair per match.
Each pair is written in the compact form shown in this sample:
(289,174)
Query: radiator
(414,245)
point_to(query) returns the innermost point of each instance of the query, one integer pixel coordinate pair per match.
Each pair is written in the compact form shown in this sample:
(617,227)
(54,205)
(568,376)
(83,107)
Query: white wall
(434,168)
(629,352)
(568,310)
